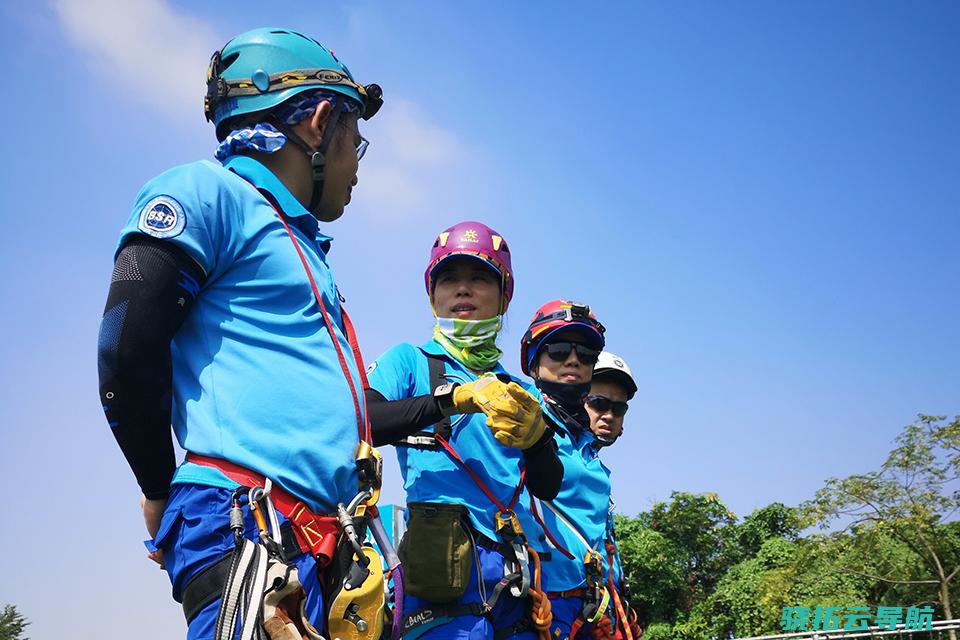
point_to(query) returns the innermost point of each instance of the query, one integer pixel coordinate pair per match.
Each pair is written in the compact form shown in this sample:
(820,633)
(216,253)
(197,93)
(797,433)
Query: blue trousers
(195,532)
(488,566)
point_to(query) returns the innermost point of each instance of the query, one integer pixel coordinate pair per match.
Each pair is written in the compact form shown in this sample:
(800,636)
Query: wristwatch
(444,397)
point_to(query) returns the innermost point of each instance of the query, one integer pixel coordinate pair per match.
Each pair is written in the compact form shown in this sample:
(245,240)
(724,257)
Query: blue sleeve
(191,207)
(394,374)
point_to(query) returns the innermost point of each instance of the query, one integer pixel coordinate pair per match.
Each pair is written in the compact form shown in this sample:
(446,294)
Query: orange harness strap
(631,631)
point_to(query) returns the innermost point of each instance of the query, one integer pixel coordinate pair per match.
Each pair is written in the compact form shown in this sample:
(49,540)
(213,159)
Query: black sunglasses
(560,351)
(604,404)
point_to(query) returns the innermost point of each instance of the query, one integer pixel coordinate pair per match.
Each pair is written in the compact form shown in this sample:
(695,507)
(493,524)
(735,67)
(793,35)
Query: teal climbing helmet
(259,69)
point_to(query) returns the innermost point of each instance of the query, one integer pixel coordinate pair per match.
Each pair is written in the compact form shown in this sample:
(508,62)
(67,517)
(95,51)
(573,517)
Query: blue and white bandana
(260,137)
(265,137)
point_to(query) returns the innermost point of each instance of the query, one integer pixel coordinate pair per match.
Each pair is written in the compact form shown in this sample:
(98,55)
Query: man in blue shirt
(223,319)
(611,388)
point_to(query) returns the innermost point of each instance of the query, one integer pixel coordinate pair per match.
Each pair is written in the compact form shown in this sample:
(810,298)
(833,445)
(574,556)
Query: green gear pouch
(436,551)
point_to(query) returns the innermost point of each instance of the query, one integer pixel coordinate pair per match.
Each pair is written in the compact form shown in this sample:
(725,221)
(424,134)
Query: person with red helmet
(473,447)
(559,351)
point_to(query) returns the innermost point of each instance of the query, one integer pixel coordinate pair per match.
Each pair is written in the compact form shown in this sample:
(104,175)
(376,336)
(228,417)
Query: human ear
(317,123)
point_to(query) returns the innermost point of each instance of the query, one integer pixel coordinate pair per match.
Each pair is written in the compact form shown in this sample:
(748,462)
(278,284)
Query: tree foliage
(12,624)
(910,498)
(697,572)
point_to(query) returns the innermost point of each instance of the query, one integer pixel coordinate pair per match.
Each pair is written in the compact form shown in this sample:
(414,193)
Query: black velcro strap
(205,587)
(288,541)
(426,616)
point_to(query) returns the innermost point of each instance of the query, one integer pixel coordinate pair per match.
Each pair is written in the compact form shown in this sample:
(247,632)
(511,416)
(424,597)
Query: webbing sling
(246,580)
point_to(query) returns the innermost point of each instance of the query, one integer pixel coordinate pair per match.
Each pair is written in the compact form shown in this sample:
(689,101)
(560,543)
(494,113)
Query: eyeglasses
(359,141)
(560,351)
(604,404)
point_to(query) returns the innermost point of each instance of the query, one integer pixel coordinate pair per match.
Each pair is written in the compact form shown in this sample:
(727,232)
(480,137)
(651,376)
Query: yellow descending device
(358,612)
(357,609)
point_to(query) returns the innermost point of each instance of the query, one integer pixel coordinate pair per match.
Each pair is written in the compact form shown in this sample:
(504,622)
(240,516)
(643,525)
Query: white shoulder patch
(162,217)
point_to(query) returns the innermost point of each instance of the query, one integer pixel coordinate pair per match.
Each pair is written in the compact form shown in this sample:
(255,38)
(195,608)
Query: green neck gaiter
(472,342)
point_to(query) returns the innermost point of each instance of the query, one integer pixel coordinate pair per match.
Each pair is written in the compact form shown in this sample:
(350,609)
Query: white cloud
(148,51)
(144,47)
(411,164)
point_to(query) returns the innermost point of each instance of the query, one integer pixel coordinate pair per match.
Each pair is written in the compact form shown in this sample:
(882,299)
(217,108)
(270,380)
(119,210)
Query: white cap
(611,363)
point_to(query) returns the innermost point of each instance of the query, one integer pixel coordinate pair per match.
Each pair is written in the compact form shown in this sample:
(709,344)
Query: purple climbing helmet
(475,240)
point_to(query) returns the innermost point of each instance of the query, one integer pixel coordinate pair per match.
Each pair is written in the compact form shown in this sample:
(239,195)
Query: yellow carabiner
(370,472)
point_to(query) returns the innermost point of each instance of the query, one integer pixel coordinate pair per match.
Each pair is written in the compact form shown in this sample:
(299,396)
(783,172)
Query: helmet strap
(318,157)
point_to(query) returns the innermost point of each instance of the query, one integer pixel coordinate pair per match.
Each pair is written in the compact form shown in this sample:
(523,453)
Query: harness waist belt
(572,593)
(313,532)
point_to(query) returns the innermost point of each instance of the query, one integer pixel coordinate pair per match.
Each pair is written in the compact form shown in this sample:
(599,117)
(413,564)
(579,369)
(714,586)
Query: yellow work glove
(513,415)
(468,397)
(521,425)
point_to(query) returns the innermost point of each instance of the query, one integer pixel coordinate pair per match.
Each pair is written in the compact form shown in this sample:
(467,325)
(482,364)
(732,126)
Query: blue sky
(761,200)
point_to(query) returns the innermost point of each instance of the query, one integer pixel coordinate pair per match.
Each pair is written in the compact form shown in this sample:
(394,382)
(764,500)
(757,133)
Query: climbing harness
(517,578)
(595,595)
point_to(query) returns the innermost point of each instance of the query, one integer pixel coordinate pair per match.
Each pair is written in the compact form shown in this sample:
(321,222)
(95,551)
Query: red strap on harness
(570,593)
(456,456)
(363,421)
(550,536)
(313,532)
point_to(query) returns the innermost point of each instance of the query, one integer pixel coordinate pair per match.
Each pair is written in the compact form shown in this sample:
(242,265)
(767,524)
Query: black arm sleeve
(391,420)
(153,288)
(544,469)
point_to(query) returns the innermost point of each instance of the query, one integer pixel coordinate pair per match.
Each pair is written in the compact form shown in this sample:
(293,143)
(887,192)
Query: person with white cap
(611,388)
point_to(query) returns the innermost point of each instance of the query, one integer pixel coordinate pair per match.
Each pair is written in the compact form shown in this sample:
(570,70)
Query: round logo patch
(162,217)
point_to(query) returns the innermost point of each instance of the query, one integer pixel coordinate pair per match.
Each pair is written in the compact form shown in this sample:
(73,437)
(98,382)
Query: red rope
(550,537)
(476,479)
(363,423)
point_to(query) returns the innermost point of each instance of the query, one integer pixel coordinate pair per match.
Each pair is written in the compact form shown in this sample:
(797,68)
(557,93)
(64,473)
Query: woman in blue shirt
(450,407)
(559,351)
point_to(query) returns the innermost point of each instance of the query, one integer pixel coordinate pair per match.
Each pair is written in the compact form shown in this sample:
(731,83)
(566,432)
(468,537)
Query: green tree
(654,570)
(909,498)
(12,624)
(772,521)
(701,527)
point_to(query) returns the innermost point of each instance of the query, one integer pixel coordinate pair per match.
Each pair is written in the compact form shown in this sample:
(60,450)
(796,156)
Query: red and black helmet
(559,315)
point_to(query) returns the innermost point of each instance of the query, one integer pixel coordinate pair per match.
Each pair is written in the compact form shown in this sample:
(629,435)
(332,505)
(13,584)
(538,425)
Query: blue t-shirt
(256,378)
(432,475)
(584,500)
